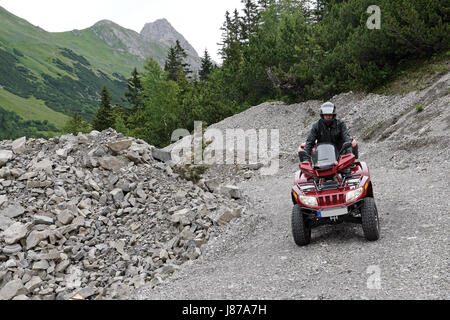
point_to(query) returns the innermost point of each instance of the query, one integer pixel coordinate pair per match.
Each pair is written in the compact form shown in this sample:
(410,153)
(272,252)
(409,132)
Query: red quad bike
(332,188)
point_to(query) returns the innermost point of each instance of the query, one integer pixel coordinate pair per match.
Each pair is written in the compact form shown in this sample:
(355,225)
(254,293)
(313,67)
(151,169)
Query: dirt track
(256,258)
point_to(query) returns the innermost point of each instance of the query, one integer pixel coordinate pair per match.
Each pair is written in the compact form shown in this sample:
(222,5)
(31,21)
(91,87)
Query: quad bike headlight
(309,201)
(354,194)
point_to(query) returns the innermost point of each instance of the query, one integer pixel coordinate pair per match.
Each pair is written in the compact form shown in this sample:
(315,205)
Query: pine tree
(182,55)
(134,94)
(104,119)
(207,66)
(175,62)
(171,65)
(236,27)
(231,37)
(250,19)
(226,36)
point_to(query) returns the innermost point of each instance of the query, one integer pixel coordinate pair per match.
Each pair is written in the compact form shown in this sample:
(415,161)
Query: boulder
(35,282)
(224,215)
(44,165)
(5,222)
(43,220)
(82,138)
(118,146)
(117,195)
(18,146)
(12,249)
(161,155)
(62,153)
(65,217)
(232,191)
(34,238)
(5,157)
(134,156)
(15,232)
(113,163)
(11,289)
(41,265)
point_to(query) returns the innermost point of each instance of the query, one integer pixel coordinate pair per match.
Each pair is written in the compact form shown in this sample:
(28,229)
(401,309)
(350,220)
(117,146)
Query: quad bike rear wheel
(370,221)
(300,228)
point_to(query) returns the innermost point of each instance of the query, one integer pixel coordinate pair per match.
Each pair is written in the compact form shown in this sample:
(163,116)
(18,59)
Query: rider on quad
(331,187)
(328,129)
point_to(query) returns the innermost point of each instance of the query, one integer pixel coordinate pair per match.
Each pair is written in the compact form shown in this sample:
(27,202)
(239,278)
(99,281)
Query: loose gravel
(408,155)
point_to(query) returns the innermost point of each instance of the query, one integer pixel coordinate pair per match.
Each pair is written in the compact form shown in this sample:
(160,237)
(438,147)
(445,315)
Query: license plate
(332,212)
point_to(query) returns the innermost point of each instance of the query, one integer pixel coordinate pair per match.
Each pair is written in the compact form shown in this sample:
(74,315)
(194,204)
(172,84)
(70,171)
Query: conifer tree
(231,37)
(226,37)
(104,119)
(175,62)
(207,66)
(134,94)
(249,21)
(182,55)
(171,65)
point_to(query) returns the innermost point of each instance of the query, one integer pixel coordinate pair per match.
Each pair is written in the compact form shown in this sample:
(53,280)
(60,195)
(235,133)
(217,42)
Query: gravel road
(256,257)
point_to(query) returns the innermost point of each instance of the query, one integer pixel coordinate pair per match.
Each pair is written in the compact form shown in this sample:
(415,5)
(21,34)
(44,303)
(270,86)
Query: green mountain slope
(53,75)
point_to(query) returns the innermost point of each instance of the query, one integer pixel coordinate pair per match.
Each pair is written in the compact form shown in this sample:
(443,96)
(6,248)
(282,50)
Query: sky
(199,21)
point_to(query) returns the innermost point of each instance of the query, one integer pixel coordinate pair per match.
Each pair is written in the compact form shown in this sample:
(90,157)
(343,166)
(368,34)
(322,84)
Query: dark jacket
(336,134)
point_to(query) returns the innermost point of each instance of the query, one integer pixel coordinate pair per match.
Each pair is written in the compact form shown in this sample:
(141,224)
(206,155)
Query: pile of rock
(95,216)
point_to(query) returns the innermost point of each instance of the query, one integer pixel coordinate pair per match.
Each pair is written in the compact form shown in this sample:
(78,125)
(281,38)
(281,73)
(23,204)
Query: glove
(302,157)
(348,151)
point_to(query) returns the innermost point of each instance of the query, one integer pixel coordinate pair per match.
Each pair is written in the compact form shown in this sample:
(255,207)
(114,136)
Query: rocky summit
(95,216)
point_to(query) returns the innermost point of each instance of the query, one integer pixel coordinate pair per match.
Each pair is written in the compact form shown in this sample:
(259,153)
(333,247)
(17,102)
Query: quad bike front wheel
(370,221)
(300,229)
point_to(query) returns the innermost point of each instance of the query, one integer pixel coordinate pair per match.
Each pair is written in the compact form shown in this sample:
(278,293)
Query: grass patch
(31,109)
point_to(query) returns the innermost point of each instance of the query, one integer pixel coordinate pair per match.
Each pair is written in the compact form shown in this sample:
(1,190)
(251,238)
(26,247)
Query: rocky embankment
(95,216)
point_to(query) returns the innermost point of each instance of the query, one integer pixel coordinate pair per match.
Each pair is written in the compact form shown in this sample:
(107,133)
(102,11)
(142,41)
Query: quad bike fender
(367,185)
(364,169)
(297,177)
(294,194)
(369,190)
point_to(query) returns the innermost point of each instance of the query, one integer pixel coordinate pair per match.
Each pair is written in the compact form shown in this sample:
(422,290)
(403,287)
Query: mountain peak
(162,31)
(103,22)
(161,21)
(107,23)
